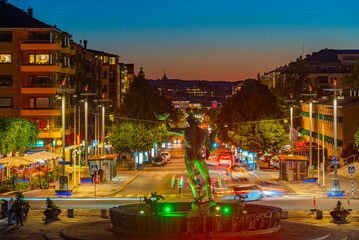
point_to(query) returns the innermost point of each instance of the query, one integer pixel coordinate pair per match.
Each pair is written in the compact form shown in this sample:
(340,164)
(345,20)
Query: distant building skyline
(205,40)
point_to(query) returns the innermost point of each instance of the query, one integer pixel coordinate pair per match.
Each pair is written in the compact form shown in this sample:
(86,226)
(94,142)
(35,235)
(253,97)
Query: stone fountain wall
(135,219)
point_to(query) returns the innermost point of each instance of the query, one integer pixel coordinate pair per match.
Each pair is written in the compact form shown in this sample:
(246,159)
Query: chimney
(29,11)
(85,44)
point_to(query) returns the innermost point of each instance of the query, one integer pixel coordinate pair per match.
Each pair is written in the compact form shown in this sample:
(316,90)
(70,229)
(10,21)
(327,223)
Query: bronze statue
(195,139)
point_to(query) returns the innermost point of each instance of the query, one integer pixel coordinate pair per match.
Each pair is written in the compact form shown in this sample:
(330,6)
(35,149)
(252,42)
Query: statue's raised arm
(163,117)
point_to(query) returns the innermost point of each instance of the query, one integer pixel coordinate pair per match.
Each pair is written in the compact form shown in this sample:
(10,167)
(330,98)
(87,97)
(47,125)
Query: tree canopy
(17,134)
(351,80)
(253,102)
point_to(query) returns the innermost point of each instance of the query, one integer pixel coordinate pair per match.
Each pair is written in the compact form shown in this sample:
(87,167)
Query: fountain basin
(172,220)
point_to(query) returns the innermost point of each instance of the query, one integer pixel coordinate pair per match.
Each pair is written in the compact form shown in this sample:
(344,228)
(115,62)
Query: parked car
(225,158)
(159,161)
(166,155)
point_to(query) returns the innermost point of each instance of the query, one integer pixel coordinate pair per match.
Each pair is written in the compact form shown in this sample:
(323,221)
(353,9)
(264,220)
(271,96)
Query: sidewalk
(87,189)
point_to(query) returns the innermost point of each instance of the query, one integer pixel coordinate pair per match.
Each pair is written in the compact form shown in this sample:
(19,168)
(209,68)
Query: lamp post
(63,188)
(310,174)
(103,101)
(335,184)
(86,94)
(291,101)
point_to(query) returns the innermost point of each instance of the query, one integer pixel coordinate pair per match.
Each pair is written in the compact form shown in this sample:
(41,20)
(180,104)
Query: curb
(123,186)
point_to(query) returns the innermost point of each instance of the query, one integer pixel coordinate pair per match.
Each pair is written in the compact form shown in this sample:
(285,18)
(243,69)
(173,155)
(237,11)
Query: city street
(164,181)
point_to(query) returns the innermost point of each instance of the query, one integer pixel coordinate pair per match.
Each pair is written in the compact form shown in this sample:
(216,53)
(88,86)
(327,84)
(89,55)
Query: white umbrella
(16,160)
(50,155)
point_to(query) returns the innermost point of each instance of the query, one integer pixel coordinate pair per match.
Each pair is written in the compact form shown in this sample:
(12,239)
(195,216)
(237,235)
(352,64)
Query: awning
(16,160)
(327,139)
(293,157)
(103,157)
(319,116)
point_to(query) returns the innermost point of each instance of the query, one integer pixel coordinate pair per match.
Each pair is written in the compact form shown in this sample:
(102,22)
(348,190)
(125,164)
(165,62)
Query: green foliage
(259,136)
(51,205)
(356,139)
(254,102)
(351,79)
(17,134)
(339,207)
(153,203)
(212,115)
(22,186)
(143,99)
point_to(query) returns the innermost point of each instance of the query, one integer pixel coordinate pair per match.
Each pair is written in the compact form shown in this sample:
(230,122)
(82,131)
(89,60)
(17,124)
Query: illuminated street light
(335,185)
(310,174)
(291,101)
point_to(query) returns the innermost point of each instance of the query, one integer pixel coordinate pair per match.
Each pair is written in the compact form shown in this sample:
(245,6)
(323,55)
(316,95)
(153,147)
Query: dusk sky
(205,39)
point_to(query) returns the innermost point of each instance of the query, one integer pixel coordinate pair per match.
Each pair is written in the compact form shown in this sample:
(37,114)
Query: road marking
(129,195)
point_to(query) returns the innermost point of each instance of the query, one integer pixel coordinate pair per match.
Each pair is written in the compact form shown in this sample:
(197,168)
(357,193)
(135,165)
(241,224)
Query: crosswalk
(141,195)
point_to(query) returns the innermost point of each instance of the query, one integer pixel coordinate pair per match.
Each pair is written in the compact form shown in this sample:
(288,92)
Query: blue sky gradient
(205,39)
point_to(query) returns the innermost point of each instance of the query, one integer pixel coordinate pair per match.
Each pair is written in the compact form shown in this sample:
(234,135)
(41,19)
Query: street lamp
(310,174)
(86,94)
(103,100)
(291,101)
(63,188)
(335,185)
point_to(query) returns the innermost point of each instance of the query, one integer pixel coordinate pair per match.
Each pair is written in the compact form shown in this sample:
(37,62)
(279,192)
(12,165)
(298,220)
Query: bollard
(70,213)
(104,213)
(319,214)
(284,214)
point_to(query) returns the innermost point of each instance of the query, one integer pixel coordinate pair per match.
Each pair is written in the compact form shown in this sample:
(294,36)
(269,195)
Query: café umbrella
(16,160)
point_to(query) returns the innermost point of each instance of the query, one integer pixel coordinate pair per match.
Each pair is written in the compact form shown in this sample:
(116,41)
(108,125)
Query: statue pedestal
(200,209)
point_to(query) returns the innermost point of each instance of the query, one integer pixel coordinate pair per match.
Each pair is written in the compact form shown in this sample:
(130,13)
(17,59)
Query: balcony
(68,69)
(28,112)
(53,133)
(72,51)
(31,67)
(39,88)
(65,49)
(40,45)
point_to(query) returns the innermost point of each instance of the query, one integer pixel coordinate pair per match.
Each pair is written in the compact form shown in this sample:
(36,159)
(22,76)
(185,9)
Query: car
(251,191)
(177,141)
(237,173)
(159,161)
(167,155)
(225,158)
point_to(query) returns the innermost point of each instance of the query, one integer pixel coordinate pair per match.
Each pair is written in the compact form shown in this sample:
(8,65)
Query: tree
(254,102)
(351,80)
(212,115)
(17,135)
(259,136)
(131,137)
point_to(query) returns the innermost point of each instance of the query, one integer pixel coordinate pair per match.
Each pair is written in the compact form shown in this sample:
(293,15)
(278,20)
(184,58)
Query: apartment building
(34,62)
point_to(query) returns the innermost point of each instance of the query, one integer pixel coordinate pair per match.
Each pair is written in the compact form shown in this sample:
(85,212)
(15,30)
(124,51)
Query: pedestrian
(10,210)
(93,176)
(70,172)
(18,211)
(100,173)
(4,207)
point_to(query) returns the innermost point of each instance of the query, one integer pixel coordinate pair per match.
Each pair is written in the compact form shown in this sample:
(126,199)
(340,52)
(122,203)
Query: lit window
(112,60)
(39,58)
(105,59)
(5,58)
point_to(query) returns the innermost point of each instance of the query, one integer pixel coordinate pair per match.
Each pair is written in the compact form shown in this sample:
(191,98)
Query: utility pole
(291,101)
(103,105)
(310,174)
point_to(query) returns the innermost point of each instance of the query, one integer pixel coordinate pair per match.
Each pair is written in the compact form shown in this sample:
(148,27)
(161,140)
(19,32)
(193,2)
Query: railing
(345,160)
(49,85)
(39,42)
(40,64)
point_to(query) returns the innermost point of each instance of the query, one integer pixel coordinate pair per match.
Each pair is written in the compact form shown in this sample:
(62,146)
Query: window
(5,80)
(40,102)
(5,58)
(105,59)
(5,102)
(45,80)
(349,57)
(112,60)
(5,36)
(39,58)
(105,74)
(42,36)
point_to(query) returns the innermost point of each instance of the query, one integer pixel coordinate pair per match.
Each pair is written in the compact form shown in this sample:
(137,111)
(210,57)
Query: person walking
(18,211)
(100,173)
(4,208)
(10,209)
